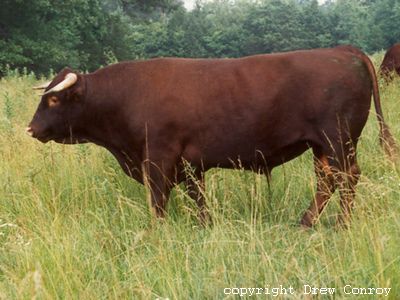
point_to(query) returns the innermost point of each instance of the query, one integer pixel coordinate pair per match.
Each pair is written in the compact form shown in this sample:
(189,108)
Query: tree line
(85,34)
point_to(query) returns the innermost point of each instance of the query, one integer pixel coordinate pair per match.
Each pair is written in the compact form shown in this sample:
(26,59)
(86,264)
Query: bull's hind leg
(195,186)
(325,187)
(336,169)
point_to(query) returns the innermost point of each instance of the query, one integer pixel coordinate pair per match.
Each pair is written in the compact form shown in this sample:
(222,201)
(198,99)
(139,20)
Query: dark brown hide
(255,112)
(391,62)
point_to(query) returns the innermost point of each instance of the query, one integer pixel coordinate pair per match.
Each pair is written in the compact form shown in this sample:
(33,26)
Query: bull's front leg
(196,187)
(157,177)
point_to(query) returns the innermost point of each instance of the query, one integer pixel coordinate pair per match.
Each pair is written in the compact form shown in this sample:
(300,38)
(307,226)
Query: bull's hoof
(306,222)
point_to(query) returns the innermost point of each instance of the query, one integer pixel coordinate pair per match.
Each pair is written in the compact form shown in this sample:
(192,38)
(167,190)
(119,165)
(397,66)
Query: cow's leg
(325,187)
(158,179)
(348,182)
(195,186)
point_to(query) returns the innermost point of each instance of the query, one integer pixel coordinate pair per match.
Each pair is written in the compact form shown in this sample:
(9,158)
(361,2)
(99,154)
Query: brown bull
(257,112)
(391,62)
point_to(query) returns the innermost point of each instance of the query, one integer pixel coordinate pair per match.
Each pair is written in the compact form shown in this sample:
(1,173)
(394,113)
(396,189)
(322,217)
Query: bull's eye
(53,101)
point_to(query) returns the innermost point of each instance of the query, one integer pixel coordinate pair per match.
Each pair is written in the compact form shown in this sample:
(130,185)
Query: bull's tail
(387,140)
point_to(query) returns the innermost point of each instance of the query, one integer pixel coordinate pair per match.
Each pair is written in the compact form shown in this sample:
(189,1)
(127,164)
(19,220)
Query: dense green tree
(43,34)
(384,16)
(33,36)
(85,34)
(148,9)
(50,33)
(314,21)
(274,26)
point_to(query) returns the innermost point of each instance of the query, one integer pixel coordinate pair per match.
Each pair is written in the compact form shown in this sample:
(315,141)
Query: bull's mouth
(46,137)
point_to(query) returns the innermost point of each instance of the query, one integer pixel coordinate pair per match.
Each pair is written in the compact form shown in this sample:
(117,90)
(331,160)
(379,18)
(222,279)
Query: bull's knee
(327,175)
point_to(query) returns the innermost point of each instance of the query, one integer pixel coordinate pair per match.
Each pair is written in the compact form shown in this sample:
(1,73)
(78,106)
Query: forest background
(46,35)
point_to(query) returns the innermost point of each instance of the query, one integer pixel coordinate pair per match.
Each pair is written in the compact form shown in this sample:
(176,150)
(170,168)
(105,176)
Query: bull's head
(59,110)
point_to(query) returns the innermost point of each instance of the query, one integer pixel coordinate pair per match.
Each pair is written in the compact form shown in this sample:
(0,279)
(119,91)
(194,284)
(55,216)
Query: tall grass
(72,225)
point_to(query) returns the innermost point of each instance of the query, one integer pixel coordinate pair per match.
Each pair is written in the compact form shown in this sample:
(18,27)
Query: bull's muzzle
(29,131)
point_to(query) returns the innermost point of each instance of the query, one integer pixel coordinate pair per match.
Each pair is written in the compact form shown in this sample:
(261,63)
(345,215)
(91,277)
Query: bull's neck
(104,110)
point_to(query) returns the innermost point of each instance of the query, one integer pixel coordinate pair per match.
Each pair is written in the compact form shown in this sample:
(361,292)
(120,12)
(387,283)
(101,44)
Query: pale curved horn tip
(69,80)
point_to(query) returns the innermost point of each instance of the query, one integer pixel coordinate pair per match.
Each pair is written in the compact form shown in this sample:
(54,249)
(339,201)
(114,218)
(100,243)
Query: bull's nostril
(29,131)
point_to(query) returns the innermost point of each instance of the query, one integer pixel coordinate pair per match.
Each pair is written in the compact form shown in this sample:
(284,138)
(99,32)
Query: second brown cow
(391,62)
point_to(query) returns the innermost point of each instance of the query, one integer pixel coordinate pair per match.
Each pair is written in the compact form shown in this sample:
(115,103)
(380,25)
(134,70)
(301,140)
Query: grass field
(73,226)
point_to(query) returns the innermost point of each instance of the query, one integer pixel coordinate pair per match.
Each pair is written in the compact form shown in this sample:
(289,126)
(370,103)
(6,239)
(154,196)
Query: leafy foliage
(83,34)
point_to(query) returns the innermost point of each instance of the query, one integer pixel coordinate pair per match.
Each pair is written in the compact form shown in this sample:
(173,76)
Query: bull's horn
(69,80)
(43,86)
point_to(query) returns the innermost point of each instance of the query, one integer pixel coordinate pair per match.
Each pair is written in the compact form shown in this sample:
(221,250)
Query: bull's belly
(252,158)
